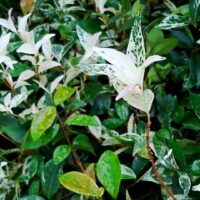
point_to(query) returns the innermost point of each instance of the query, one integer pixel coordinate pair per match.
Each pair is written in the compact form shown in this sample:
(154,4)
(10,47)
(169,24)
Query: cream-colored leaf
(48,64)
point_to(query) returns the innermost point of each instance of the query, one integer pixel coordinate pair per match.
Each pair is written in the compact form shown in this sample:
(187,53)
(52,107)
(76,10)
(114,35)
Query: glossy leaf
(81,120)
(81,183)
(63,93)
(109,172)
(60,153)
(49,179)
(194,7)
(42,121)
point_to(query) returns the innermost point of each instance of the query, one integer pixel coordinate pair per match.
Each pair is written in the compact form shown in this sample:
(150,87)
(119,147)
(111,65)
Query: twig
(169,192)
(7,138)
(76,157)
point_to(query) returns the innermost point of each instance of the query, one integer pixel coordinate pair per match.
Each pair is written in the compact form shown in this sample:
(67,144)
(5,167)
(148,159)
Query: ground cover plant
(99,99)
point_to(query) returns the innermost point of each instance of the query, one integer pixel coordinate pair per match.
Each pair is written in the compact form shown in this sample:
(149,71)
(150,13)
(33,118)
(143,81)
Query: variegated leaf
(136,48)
(173,21)
(194,7)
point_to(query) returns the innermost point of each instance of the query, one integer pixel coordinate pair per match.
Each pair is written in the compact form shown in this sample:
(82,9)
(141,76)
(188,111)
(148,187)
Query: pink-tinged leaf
(25,75)
(27,48)
(26,5)
(43,66)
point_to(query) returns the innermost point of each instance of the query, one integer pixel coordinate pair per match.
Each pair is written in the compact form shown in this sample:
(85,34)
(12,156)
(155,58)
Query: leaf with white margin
(48,64)
(55,83)
(96,130)
(42,86)
(185,183)
(130,124)
(63,3)
(136,48)
(8,23)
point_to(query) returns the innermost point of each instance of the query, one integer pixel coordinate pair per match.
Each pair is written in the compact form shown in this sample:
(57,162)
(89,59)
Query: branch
(162,183)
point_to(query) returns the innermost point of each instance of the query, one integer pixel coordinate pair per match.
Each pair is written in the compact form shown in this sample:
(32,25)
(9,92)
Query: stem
(162,183)
(76,157)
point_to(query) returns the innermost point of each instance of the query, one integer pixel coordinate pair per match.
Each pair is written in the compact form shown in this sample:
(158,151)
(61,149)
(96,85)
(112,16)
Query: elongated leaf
(194,7)
(82,120)
(81,184)
(63,93)
(28,142)
(195,103)
(60,153)
(109,172)
(42,121)
(49,179)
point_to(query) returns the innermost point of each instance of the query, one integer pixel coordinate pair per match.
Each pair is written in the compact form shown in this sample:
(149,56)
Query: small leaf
(63,93)
(26,5)
(109,172)
(82,120)
(60,153)
(42,121)
(81,183)
(122,110)
(82,142)
(185,183)
(127,173)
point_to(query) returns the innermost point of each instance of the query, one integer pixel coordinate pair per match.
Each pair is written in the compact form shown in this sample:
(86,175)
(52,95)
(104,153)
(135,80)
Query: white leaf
(18,99)
(47,49)
(55,83)
(4,41)
(8,23)
(48,64)
(141,101)
(22,23)
(72,72)
(25,75)
(7,99)
(43,41)
(198,41)
(152,59)
(31,59)
(27,48)
(196,188)
(130,124)
(2,108)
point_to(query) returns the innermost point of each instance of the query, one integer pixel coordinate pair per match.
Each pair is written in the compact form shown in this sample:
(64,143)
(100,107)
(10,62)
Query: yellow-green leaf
(81,183)
(42,121)
(63,93)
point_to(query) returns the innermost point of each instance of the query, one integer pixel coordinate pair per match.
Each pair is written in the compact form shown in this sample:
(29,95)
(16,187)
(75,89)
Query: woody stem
(154,169)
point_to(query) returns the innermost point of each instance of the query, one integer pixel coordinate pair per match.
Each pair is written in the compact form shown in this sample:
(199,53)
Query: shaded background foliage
(175,112)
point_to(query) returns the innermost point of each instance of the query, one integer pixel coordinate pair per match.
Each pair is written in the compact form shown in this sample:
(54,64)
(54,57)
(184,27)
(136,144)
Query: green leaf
(49,179)
(185,183)
(60,153)
(194,7)
(42,121)
(63,93)
(127,173)
(81,120)
(82,142)
(194,69)
(112,123)
(109,172)
(81,183)
(29,144)
(195,103)
(193,124)
(121,109)
(155,35)
(196,167)
(34,187)
(165,46)
(12,127)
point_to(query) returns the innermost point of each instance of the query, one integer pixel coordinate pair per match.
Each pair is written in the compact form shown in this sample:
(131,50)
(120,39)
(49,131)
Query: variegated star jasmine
(126,71)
